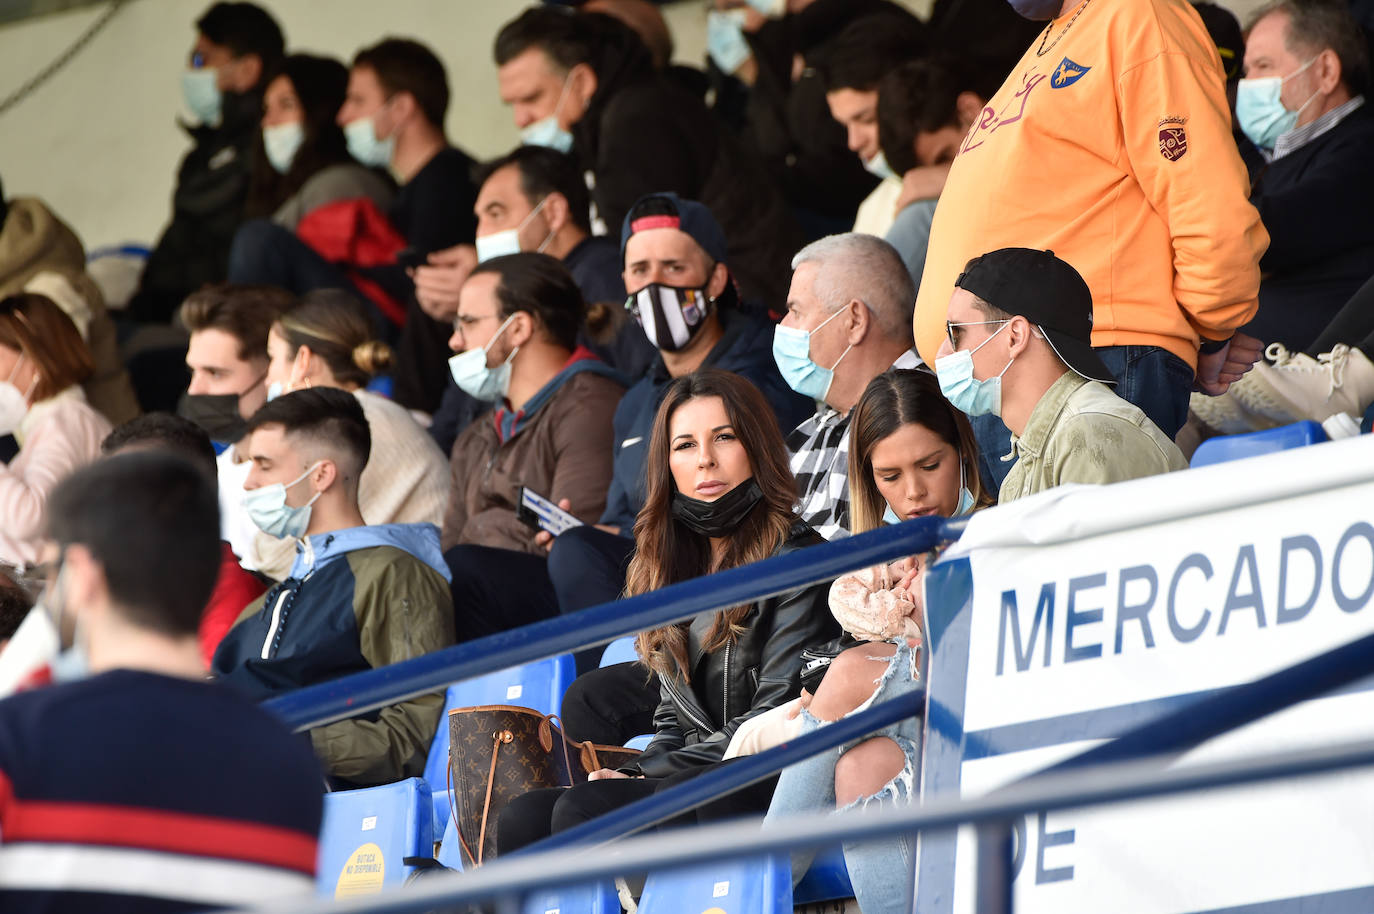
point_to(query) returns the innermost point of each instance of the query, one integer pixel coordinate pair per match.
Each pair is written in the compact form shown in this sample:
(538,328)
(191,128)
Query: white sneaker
(1226,414)
(1297,387)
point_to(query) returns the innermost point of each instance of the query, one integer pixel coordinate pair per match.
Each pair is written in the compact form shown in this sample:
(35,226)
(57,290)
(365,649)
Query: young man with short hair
(1019,346)
(358,597)
(227,357)
(235,587)
(196,797)
(237,45)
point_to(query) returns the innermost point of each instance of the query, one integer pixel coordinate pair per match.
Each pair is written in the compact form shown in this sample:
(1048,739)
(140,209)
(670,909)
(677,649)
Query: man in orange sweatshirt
(1110,143)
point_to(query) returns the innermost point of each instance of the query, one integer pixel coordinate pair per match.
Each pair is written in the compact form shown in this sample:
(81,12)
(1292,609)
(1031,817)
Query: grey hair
(866,267)
(1317,25)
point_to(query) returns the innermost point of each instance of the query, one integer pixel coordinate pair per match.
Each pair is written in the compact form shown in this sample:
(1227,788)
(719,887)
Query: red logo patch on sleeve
(1173,138)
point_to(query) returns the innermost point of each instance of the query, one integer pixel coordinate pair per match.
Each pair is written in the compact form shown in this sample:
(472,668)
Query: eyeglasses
(463,321)
(953,334)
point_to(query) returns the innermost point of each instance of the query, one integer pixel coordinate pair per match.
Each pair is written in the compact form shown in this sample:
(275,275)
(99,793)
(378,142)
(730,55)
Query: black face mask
(720,517)
(217,414)
(671,316)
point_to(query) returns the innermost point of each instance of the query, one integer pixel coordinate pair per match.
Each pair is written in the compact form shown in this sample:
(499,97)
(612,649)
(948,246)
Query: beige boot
(1297,387)
(1226,414)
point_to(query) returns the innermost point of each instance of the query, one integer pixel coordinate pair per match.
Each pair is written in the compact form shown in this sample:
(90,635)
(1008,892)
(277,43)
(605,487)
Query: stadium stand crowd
(854,268)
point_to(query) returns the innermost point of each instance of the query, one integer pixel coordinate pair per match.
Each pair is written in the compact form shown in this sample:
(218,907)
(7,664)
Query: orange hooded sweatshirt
(1112,147)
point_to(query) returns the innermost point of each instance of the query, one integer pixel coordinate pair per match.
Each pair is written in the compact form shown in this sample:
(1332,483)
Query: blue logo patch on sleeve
(1067,73)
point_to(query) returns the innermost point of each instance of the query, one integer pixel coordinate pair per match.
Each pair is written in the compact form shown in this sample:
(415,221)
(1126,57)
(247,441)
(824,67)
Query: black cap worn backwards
(1046,291)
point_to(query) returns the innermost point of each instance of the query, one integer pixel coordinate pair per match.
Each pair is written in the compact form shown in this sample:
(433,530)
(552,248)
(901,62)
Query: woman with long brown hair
(43,362)
(911,454)
(719,495)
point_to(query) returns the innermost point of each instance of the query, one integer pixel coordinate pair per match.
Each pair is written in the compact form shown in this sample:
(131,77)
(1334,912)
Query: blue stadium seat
(450,851)
(827,880)
(539,685)
(382,384)
(368,832)
(594,898)
(621,650)
(751,885)
(1253,444)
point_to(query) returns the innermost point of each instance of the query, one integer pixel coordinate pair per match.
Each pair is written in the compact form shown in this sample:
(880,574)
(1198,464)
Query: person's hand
(606,774)
(544,538)
(923,183)
(1217,371)
(438,283)
(803,702)
(912,575)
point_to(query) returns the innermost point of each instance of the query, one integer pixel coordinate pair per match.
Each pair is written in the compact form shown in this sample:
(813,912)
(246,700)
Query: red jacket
(234,589)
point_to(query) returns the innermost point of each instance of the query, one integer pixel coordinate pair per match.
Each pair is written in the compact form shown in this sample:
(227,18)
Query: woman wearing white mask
(911,454)
(43,362)
(327,341)
(301,161)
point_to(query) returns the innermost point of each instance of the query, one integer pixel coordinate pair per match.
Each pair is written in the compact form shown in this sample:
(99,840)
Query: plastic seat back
(750,885)
(593,898)
(368,832)
(539,685)
(826,880)
(621,650)
(1253,444)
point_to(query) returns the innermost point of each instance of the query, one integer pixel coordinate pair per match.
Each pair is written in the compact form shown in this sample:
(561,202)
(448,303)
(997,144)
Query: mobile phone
(409,258)
(538,512)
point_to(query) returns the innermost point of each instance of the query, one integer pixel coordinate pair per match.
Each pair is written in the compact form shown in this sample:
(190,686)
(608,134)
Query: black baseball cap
(1224,29)
(668,210)
(1046,291)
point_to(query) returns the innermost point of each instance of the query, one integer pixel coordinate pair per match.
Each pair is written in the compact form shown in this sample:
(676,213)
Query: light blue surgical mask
(969,395)
(1260,111)
(201,90)
(281,142)
(878,166)
(725,40)
(73,661)
(470,371)
(274,390)
(547,131)
(267,508)
(792,353)
(890,516)
(499,244)
(363,145)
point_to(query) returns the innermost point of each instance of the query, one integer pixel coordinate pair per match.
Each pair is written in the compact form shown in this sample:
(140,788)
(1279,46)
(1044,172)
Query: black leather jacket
(759,670)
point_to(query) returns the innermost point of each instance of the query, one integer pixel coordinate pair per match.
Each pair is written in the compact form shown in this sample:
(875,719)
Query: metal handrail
(1167,737)
(349,696)
(740,773)
(1070,789)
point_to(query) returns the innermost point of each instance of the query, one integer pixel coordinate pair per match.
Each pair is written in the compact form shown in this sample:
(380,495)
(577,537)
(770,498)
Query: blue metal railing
(1079,788)
(352,695)
(1166,737)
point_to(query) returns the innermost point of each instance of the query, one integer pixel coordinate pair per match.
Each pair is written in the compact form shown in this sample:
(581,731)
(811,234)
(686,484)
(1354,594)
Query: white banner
(1092,610)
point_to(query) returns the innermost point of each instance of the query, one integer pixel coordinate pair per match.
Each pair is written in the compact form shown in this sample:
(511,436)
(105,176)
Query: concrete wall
(99,141)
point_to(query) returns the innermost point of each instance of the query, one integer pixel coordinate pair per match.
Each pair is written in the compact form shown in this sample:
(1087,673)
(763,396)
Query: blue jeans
(878,868)
(1152,378)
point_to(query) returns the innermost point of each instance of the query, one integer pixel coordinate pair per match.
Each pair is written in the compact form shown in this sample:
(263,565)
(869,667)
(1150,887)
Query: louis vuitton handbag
(497,753)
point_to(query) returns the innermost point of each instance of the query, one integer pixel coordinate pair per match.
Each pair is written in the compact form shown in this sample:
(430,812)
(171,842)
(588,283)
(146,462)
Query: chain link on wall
(42,76)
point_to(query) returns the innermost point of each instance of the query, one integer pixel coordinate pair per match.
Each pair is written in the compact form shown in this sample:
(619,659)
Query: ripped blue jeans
(878,869)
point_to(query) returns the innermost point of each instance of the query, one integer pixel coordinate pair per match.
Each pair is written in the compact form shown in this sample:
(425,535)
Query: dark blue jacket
(356,599)
(1318,204)
(747,350)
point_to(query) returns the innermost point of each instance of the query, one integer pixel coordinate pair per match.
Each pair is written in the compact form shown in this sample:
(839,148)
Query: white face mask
(547,131)
(471,374)
(14,403)
(507,241)
(267,508)
(281,142)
